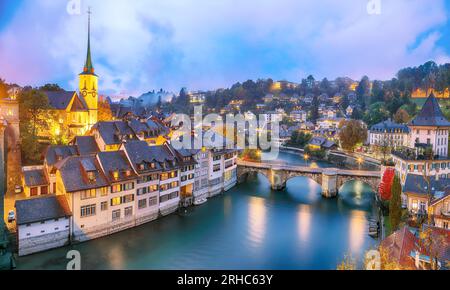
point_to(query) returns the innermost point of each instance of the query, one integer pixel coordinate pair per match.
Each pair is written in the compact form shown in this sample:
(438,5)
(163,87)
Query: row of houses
(91,189)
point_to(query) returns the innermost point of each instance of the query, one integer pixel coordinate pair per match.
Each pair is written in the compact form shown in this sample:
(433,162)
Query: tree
(432,242)
(351,134)
(395,205)
(35,119)
(402,117)
(315,110)
(348,264)
(363,91)
(385,189)
(104,111)
(51,88)
(251,155)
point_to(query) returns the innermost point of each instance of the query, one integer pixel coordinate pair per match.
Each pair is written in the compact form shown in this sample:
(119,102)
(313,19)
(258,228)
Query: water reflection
(357,230)
(304,222)
(257,220)
(356,194)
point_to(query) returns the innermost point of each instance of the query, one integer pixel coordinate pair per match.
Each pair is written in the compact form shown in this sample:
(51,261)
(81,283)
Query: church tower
(88,85)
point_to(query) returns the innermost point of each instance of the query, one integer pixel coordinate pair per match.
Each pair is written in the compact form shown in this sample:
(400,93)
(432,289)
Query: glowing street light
(359,161)
(306,157)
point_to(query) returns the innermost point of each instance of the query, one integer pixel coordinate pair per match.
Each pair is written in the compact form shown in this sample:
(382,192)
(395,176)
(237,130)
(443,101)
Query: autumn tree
(348,264)
(352,133)
(432,242)
(395,205)
(386,184)
(402,116)
(104,111)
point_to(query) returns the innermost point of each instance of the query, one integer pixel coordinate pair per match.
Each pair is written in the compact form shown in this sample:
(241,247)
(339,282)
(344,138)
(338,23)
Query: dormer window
(128,173)
(116,174)
(91,176)
(141,166)
(152,165)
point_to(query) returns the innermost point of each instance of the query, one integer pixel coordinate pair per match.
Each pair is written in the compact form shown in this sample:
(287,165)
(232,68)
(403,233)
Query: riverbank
(249,227)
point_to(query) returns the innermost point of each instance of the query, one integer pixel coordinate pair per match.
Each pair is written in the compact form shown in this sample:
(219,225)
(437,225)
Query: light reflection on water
(257,221)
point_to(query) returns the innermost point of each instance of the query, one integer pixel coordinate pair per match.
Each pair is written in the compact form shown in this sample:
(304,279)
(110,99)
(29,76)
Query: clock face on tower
(84,93)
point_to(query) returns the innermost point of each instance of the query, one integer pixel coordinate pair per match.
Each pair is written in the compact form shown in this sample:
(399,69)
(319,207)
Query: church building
(77,112)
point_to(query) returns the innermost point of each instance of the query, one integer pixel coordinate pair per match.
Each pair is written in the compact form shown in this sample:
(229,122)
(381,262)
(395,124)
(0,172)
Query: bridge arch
(243,173)
(373,183)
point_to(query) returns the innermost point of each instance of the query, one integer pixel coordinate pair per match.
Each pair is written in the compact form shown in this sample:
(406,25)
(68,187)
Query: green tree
(315,109)
(35,120)
(51,88)
(352,133)
(395,205)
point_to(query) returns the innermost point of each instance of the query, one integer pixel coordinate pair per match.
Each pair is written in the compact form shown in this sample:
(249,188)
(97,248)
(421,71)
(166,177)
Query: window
(116,188)
(88,194)
(104,206)
(91,176)
(116,215)
(88,210)
(216,168)
(116,201)
(128,186)
(129,211)
(128,198)
(152,201)
(217,158)
(142,203)
(34,191)
(44,190)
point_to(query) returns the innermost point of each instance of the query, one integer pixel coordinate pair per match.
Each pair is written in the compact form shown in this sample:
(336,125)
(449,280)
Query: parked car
(11,216)
(18,189)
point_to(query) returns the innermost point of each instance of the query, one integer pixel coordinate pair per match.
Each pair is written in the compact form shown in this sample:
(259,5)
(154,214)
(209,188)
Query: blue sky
(142,45)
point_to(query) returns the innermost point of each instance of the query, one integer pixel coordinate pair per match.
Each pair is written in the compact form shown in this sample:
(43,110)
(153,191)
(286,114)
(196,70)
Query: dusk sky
(142,45)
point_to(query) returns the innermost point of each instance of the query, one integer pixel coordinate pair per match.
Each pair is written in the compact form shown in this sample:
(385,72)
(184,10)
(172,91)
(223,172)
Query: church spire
(88,67)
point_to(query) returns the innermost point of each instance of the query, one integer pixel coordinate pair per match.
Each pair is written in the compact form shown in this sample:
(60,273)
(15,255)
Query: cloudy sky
(142,45)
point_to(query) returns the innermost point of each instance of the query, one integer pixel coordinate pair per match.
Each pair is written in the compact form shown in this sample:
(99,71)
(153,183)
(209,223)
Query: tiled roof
(417,184)
(35,178)
(60,100)
(111,132)
(74,173)
(400,245)
(58,153)
(141,154)
(116,161)
(430,115)
(86,145)
(389,127)
(42,209)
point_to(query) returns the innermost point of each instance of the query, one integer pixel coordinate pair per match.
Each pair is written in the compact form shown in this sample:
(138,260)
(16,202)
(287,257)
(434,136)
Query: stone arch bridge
(331,179)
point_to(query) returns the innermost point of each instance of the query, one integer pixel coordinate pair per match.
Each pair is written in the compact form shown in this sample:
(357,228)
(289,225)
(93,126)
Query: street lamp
(360,161)
(306,157)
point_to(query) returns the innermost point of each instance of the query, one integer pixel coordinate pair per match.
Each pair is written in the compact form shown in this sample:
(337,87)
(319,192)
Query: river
(249,227)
